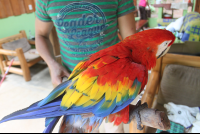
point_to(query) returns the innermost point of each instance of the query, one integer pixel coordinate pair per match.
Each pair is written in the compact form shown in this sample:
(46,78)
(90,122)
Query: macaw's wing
(106,85)
(115,52)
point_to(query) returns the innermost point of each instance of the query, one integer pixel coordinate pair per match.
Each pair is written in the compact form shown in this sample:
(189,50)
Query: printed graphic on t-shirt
(85,32)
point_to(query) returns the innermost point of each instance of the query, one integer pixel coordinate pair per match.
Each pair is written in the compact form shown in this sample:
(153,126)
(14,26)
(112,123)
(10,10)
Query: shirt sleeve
(125,7)
(41,12)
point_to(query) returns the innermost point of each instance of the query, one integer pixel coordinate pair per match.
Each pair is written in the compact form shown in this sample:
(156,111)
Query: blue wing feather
(59,89)
(119,108)
(100,111)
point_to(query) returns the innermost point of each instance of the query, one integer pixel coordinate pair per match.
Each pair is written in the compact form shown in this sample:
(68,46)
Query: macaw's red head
(149,45)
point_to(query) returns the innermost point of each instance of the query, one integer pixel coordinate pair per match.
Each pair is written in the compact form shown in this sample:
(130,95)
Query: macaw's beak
(164,52)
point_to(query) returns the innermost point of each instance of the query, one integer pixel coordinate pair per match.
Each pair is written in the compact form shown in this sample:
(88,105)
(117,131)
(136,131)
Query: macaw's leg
(134,112)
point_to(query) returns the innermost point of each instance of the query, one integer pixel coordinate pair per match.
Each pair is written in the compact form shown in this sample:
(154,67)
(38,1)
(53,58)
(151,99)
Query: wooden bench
(139,26)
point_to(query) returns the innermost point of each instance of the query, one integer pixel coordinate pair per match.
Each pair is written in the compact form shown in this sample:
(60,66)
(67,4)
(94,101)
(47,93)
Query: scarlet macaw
(103,85)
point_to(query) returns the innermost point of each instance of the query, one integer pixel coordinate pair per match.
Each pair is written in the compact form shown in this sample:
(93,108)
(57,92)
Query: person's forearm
(45,49)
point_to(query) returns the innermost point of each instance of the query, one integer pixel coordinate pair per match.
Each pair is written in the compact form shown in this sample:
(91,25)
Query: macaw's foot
(134,112)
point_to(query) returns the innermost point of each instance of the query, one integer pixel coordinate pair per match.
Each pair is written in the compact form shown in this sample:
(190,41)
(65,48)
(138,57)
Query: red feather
(119,117)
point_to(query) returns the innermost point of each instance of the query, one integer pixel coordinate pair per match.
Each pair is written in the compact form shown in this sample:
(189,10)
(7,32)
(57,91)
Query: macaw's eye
(166,44)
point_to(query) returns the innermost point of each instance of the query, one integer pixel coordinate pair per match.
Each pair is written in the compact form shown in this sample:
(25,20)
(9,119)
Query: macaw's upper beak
(164,52)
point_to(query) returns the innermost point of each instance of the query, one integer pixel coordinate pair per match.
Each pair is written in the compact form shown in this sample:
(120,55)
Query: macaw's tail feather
(48,107)
(34,111)
(50,123)
(80,124)
(52,109)
(43,108)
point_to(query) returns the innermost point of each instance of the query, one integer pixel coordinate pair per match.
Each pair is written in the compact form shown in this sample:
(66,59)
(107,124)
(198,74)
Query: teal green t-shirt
(83,26)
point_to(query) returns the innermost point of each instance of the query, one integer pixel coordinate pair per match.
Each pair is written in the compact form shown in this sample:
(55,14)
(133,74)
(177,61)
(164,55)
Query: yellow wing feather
(108,94)
(107,104)
(105,87)
(83,100)
(96,92)
(87,91)
(81,81)
(132,89)
(87,83)
(91,103)
(119,97)
(70,98)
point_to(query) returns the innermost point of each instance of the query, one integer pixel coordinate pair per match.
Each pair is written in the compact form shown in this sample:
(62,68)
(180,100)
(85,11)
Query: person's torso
(84,26)
(142,3)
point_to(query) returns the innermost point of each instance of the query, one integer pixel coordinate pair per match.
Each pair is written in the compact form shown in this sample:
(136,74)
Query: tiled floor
(17,94)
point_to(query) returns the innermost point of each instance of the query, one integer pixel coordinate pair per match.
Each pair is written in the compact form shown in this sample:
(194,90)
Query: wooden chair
(153,84)
(4,62)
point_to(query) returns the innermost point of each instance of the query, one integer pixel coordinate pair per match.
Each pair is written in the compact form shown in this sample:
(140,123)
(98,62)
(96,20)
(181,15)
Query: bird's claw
(136,113)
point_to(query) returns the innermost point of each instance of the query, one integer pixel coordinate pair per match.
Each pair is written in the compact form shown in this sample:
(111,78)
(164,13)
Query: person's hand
(57,72)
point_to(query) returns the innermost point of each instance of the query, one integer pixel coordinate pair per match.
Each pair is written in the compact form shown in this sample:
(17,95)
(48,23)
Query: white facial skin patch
(163,48)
